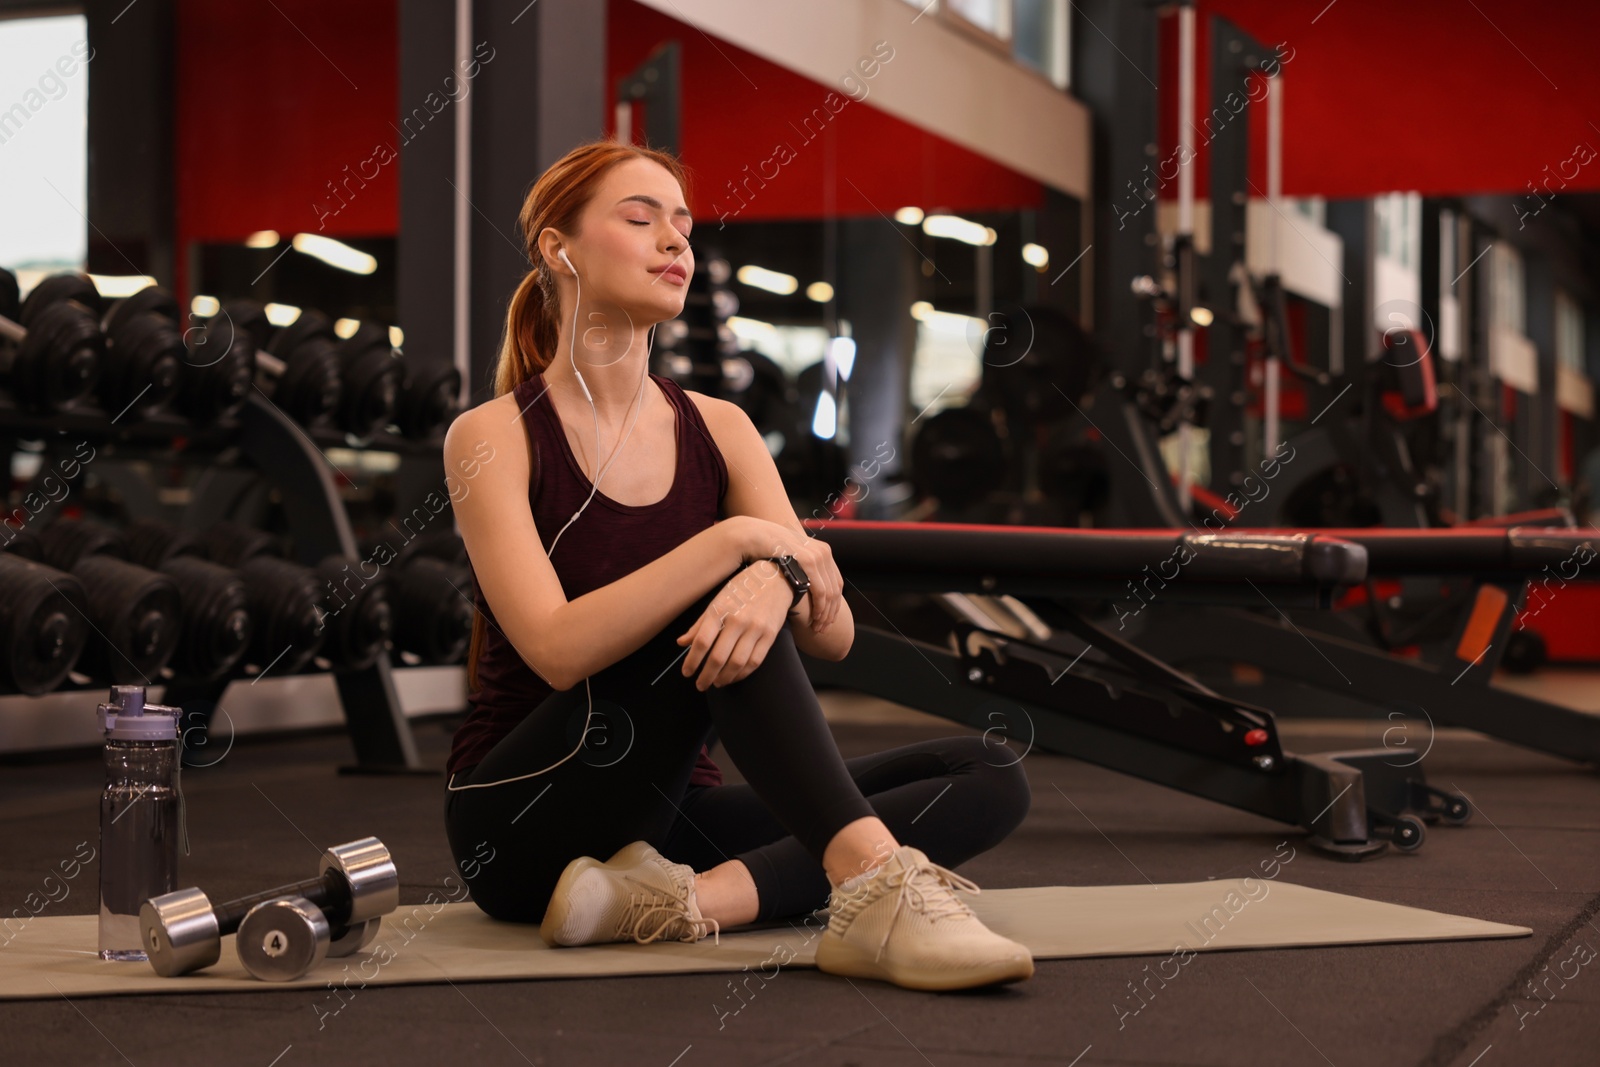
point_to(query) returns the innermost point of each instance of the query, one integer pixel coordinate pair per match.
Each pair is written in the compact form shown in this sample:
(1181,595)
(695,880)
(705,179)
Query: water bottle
(140,815)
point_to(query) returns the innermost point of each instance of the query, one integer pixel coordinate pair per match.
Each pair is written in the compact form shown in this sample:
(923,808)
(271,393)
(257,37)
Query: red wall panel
(274,101)
(741,111)
(1435,96)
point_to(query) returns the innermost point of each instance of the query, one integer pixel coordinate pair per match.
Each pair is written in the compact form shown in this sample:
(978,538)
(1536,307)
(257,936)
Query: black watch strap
(790,568)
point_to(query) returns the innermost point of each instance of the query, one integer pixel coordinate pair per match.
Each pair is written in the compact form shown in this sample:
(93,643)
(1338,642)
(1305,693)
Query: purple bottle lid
(126,717)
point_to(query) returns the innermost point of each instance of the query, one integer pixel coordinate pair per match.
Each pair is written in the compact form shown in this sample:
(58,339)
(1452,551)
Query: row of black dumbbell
(139,357)
(122,605)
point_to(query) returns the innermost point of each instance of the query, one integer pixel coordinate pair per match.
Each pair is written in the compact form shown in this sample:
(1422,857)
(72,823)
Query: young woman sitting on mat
(616,631)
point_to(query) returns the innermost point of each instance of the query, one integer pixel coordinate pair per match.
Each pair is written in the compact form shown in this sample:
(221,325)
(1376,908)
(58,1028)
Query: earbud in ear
(562,255)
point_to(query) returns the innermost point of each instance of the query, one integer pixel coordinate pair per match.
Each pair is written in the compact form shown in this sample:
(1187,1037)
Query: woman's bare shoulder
(714,410)
(492,427)
(497,417)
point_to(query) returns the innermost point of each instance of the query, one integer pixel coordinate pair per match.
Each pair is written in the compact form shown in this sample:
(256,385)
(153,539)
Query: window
(1447,251)
(1314,208)
(43,120)
(1036,33)
(946,367)
(791,347)
(1506,306)
(991,16)
(1042,38)
(1399,223)
(1569,332)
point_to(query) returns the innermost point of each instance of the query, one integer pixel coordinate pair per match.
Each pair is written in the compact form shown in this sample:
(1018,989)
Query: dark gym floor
(1531,857)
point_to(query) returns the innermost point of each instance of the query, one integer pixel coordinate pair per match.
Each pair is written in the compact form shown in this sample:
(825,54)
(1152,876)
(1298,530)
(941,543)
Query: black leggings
(953,798)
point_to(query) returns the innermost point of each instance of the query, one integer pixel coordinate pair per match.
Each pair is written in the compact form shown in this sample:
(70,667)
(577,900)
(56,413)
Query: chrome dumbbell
(280,940)
(182,931)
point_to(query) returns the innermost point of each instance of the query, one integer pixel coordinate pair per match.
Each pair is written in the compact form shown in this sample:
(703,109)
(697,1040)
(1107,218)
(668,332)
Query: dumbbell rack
(259,445)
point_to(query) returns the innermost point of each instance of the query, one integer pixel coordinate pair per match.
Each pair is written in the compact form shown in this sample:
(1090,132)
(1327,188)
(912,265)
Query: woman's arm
(756,489)
(834,642)
(487,465)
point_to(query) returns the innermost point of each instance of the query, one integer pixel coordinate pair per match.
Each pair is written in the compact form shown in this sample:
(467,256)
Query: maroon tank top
(609,540)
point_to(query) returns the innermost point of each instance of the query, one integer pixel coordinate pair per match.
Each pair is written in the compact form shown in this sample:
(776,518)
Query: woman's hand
(731,638)
(816,559)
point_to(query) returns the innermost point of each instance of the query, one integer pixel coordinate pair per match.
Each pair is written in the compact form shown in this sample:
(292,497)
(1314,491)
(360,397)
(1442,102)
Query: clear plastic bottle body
(138,839)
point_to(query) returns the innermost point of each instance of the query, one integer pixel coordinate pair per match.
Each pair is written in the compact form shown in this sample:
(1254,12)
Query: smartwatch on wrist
(790,568)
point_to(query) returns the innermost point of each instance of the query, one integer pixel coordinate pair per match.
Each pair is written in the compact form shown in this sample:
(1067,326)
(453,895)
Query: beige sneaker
(904,924)
(636,895)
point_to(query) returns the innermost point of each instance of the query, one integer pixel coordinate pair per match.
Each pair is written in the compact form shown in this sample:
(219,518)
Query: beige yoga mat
(55,956)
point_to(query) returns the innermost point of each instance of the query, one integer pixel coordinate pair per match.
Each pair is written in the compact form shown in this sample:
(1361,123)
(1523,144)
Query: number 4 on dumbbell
(290,928)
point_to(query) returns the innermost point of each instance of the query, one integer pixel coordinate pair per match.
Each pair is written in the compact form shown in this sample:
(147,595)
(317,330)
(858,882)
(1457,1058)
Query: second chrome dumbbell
(281,940)
(183,931)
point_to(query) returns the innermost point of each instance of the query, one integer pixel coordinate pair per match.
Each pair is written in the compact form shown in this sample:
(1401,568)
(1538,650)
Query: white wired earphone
(639,402)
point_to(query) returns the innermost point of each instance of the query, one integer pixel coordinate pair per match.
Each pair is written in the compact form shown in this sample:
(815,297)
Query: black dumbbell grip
(330,892)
